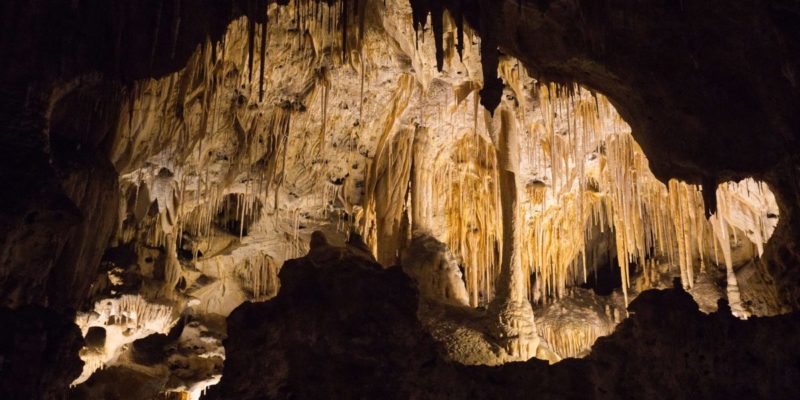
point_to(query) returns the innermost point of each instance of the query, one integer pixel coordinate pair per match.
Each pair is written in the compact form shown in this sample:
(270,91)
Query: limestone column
(420,183)
(514,325)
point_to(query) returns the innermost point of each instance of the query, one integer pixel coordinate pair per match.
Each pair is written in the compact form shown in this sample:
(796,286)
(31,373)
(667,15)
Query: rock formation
(535,168)
(38,354)
(343,326)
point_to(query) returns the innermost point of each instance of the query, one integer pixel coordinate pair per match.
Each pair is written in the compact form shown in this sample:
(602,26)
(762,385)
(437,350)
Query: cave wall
(38,353)
(62,74)
(64,64)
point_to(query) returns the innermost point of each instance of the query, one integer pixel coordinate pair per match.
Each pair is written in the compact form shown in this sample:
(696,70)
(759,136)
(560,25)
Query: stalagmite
(515,324)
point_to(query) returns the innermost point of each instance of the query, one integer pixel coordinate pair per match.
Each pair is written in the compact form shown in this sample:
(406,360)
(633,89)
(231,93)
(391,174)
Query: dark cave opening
(605,278)
(237,215)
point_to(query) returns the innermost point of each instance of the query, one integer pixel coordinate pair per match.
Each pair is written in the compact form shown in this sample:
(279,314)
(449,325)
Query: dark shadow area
(365,341)
(606,278)
(237,215)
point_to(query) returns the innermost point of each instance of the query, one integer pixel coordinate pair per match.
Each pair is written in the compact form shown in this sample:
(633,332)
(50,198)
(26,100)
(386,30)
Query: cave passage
(605,279)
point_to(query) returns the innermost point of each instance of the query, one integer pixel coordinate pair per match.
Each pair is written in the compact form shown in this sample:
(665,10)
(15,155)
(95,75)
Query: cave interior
(428,199)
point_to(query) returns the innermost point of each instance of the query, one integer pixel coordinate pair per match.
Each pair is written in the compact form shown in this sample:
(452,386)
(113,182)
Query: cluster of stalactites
(467,190)
(421,9)
(588,170)
(592,176)
(259,275)
(173,117)
(122,321)
(323,19)
(573,340)
(599,176)
(384,219)
(492,90)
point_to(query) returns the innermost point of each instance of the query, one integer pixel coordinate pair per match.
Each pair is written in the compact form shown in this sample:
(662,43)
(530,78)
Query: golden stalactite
(649,219)
(388,177)
(467,184)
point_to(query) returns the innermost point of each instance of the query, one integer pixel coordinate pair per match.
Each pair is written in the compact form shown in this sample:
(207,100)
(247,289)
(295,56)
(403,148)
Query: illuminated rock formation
(435,271)
(533,166)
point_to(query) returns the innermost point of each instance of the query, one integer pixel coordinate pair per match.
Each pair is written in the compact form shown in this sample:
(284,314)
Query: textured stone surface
(434,270)
(357,317)
(342,327)
(38,353)
(56,51)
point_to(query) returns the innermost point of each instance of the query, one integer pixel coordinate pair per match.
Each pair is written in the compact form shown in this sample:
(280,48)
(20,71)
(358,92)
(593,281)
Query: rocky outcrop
(435,271)
(572,325)
(668,349)
(357,333)
(38,353)
(342,327)
(177,365)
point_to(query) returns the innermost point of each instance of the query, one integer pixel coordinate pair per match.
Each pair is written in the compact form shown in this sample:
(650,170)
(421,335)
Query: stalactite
(251,42)
(259,275)
(343,26)
(262,60)
(419,16)
(363,66)
(459,20)
(325,83)
(492,89)
(437,23)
